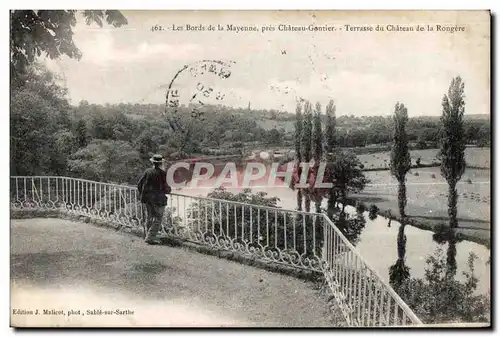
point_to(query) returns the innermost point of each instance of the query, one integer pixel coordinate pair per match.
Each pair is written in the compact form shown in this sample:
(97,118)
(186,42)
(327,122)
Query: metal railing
(297,239)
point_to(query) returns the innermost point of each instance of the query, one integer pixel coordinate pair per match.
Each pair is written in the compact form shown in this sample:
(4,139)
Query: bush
(422,145)
(360,206)
(433,176)
(373,210)
(468,181)
(254,227)
(418,161)
(439,298)
(416,174)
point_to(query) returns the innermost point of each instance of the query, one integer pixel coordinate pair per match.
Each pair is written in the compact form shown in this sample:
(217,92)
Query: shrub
(433,176)
(416,174)
(360,206)
(418,161)
(373,211)
(218,221)
(421,144)
(439,298)
(468,181)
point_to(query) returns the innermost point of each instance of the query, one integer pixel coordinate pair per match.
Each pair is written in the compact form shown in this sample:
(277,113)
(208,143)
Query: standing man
(153,188)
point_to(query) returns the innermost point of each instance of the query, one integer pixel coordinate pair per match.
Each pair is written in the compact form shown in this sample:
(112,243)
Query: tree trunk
(307,203)
(402,199)
(299,200)
(401,242)
(331,203)
(452,204)
(318,206)
(344,201)
(318,228)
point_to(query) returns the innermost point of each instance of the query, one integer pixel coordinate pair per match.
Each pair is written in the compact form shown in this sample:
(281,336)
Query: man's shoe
(161,235)
(151,240)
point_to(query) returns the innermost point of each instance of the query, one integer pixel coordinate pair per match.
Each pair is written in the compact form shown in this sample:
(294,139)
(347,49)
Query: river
(377,242)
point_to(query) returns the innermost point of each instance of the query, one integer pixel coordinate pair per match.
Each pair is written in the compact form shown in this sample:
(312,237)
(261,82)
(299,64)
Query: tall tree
(306,144)
(49,32)
(82,137)
(400,155)
(317,142)
(330,149)
(331,122)
(36,126)
(452,143)
(298,153)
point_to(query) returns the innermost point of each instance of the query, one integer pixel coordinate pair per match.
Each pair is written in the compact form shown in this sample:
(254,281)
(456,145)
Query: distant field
(475,157)
(427,198)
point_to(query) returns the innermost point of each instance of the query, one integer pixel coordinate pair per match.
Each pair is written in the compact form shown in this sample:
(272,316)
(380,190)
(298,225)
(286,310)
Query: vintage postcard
(250,168)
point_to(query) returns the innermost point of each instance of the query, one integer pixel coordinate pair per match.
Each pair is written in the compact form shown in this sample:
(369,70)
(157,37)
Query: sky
(365,73)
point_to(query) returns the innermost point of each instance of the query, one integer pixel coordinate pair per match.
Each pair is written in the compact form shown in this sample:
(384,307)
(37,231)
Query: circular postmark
(195,86)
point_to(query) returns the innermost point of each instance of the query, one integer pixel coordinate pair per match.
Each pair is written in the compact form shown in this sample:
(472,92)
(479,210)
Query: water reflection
(451,256)
(393,250)
(444,235)
(399,271)
(351,225)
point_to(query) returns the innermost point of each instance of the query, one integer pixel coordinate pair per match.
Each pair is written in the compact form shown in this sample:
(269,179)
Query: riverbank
(482,237)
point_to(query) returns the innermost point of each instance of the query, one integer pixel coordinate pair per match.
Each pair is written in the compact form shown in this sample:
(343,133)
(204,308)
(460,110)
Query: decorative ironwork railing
(297,239)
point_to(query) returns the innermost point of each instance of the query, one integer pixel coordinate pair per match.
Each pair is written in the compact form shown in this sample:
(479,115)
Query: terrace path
(58,264)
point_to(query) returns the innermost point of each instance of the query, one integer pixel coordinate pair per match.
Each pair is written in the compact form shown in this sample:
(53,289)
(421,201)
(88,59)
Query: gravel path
(62,265)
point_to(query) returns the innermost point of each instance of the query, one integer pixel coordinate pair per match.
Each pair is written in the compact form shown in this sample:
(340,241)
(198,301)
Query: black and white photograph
(250,168)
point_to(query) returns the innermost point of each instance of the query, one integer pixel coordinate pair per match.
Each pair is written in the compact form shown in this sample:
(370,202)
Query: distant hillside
(352,131)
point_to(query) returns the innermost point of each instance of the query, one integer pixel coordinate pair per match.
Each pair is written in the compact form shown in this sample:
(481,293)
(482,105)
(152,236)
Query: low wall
(307,275)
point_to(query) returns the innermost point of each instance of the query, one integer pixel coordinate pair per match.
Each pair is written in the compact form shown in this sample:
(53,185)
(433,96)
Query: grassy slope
(427,199)
(477,157)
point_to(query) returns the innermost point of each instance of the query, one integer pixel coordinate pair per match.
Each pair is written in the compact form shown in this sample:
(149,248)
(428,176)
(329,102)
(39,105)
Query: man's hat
(157,159)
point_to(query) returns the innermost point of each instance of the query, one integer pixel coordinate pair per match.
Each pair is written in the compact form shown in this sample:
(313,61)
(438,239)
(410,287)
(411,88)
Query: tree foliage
(107,161)
(317,137)
(330,127)
(400,154)
(251,226)
(452,143)
(38,123)
(49,32)
(330,135)
(317,144)
(347,175)
(306,143)
(351,225)
(298,131)
(440,298)
(297,143)
(306,137)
